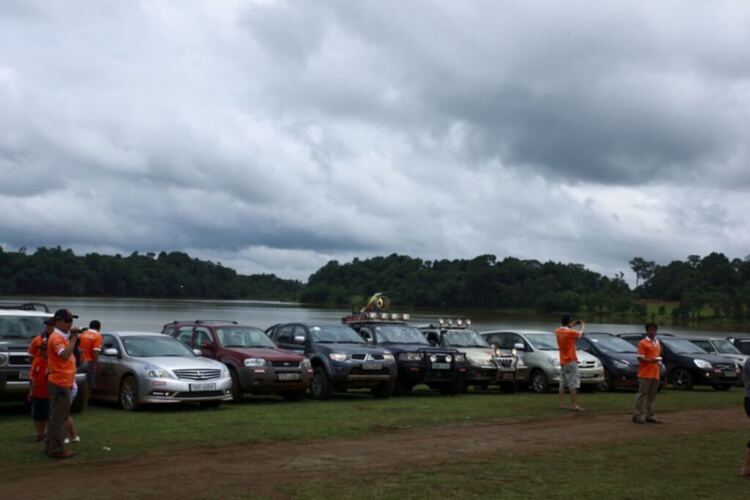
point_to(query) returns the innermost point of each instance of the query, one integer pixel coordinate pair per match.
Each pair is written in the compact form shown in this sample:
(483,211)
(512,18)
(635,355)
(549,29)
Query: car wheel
(607,385)
(384,390)
(539,381)
(237,393)
(682,380)
(722,387)
(321,387)
(79,403)
(210,404)
(293,396)
(129,393)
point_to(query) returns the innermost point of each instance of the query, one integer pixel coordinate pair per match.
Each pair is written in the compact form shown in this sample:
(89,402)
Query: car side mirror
(111,351)
(518,346)
(207,345)
(197,352)
(299,339)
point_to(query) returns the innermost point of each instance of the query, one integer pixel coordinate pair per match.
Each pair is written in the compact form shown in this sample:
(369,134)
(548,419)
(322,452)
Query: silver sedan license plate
(729,373)
(23,375)
(288,376)
(441,366)
(205,386)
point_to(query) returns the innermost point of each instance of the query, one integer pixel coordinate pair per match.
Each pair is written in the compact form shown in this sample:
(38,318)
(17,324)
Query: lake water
(152,314)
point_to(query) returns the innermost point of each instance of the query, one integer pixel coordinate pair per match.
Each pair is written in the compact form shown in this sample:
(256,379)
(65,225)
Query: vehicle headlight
(460,358)
(448,358)
(158,373)
(3,358)
(554,362)
(306,364)
(224,371)
(411,356)
(338,356)
(702,363)
(433,358)
(514,351)
(475,362)
(389,357)
(622,365)
(255,362)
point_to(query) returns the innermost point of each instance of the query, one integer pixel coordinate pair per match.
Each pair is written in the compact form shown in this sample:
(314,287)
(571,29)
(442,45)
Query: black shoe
(637,420)
(653,421)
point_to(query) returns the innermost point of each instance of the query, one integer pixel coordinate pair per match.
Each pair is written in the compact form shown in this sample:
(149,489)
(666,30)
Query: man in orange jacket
(649,358)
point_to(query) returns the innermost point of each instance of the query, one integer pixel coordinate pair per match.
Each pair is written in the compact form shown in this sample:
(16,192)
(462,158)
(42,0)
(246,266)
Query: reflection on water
(152,314)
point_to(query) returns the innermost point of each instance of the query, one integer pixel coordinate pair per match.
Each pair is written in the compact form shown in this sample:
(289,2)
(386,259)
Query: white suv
(539,352)
(19,324)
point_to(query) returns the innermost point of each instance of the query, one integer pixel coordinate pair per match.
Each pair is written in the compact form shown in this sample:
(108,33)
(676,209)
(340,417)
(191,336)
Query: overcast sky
(274,136)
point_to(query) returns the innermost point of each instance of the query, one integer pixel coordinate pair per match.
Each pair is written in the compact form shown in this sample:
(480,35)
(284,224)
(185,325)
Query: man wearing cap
(90,343)
(61,367)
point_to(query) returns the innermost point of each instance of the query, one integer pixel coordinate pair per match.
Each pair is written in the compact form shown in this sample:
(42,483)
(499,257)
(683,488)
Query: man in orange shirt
(61,368)
(649,357)
(90,343)
(566,343)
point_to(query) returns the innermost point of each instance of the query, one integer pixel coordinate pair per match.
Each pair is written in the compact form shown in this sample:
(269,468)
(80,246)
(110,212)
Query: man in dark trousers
(649,358)
(61,367)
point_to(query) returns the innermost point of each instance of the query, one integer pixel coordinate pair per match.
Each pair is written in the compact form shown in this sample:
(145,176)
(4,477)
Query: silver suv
(539,352)
(19,324)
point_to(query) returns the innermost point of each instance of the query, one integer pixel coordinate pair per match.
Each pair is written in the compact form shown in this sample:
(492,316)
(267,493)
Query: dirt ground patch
(259,468)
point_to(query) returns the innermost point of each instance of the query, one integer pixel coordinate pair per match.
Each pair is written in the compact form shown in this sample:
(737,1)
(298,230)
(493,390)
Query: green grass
(129,434)
(694,466)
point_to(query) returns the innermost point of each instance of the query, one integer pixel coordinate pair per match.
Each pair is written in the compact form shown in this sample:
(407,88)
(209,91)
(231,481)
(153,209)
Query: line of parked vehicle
(213,361)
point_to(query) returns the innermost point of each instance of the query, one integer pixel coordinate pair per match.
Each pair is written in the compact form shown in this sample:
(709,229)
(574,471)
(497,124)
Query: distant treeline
(698,287)
(53,271)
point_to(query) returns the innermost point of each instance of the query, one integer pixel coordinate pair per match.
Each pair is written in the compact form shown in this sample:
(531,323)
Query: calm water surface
(152,314)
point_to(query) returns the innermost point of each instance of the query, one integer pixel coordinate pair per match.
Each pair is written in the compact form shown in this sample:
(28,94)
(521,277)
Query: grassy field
(109,433)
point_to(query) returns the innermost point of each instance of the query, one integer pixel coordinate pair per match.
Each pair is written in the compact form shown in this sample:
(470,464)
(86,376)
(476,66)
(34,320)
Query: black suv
(688,365)
(339,357)
(618,356)
(443,369)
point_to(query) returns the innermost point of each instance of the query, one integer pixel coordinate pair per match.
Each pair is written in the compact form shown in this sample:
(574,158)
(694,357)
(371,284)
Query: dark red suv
(256,365)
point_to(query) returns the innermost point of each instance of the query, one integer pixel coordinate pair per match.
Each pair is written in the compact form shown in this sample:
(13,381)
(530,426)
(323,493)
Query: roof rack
(27,306)
(375,317)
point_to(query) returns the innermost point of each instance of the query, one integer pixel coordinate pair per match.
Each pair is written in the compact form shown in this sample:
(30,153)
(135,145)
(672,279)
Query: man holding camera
(61,368)
(566,343)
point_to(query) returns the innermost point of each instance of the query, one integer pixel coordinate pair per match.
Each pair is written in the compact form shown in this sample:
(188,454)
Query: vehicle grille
(586,364)
(201,374)
(285,364)
(19,359)
(505,362)
(362,357)
(726,366)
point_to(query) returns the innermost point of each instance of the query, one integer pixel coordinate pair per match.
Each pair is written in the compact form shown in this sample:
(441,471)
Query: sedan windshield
(682,346)
(334,334)
(20,327)
(725,347)
(543,341)
(242,336)
(464,338)
(153,346)
(610,343)
(399,334)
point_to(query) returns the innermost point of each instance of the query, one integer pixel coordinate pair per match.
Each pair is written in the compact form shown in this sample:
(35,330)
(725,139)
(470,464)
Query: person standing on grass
(745,470)
(649,367)
(38,390)
(91,345)
(61,367)
(566,343)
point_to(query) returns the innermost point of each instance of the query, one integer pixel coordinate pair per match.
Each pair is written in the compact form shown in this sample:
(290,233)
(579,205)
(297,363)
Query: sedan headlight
(475,362)
(3,358)
(702,363)
(410,356)
(460,358)
(338,356)
(622,365)
(158,373)
(554,362)
(389,357)
(224,371)
(306,364)
(255,362)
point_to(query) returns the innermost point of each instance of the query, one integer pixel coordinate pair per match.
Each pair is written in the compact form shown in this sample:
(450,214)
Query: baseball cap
(64,315)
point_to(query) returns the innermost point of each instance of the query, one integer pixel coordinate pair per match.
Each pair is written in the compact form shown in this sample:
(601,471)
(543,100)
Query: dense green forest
(712,286)
(53,271)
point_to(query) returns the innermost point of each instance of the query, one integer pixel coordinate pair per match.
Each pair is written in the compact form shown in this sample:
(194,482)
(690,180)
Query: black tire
(237,392)
(384,390)
(722,387)
(681,379)
(607,385)
(509,387)
(128,396)
(294,395)
(321,387)
(79,403)
(402,388)
(539,382)
(210,404)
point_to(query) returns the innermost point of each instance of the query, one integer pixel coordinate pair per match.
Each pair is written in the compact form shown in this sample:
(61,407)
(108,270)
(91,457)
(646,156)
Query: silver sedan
(136,368)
